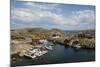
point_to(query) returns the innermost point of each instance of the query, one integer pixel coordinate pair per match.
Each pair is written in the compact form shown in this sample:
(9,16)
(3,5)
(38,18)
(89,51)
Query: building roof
(35,37)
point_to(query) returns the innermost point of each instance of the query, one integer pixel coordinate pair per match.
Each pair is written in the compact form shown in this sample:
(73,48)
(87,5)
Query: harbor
(36,52)
(59,54)
(51,47)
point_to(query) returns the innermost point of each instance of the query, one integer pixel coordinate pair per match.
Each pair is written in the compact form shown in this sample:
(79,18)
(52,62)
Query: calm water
(60,54)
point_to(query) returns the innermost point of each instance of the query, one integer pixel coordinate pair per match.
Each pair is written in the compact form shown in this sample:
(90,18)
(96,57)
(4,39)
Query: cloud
(85,16)
(22,14)
(41,6)
(36,14)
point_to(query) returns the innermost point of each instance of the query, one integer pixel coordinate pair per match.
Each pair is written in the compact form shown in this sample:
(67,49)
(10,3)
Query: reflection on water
(60,54)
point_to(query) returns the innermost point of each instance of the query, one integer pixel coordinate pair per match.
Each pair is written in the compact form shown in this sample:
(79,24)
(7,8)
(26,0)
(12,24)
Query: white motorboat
(35,53)
(77,46)
(49,47)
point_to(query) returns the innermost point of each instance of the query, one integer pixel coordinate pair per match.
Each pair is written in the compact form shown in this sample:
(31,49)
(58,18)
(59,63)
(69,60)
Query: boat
(76,46)
(42,52)
(35,53)
(34,50)
(30,56)
(46,45)
(49,47)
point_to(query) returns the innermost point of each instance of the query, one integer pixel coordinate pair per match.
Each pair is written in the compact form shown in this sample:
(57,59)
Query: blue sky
(46,15)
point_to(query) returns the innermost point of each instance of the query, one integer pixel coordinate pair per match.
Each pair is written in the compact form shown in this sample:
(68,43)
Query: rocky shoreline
(84,43)
(21,39)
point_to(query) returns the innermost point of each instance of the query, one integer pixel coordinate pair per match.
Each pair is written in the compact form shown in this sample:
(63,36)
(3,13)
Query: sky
(52,15)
